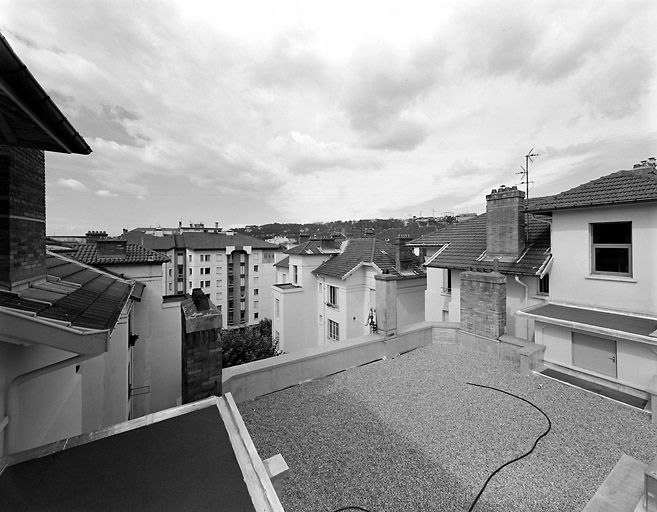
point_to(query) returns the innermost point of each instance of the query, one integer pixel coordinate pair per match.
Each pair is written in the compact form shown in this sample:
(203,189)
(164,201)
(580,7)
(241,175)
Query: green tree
(248,344)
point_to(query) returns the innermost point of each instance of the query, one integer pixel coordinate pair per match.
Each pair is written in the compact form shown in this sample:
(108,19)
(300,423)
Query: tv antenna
(525,180)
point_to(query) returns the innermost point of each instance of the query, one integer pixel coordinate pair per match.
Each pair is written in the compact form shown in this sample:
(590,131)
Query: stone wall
(201,352)
(22,215)
(483,303)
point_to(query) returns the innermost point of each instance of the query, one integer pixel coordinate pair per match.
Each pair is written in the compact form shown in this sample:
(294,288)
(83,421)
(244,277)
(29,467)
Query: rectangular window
(544,284)
(255,268)
(170,287)
(447,281)
(190,271)
(170,273)
(218,284)
(611,248)
(295,274)
(190,258)
(332,296)
(268,257)
(242,305)
(333,330)
(255,303)
(207,284)
(230,317)
(190,285)
(255,291)
(255,316)
(205,257)
(277,305)
(255,256)
(181,272)
(218,270)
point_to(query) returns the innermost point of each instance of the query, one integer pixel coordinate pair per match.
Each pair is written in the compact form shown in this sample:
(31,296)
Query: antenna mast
(525,179)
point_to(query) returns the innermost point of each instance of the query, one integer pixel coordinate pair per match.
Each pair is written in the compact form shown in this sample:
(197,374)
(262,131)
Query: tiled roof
(310,247)
(195,241)
(467,245)
(357,251)
(73,293)
(284,263)
(135,254)
(631,186)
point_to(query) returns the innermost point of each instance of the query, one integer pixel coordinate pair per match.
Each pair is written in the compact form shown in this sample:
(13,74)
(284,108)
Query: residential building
(294,294)
(155,363)
(503,238)
(330,294)
(601,318)
(236,271)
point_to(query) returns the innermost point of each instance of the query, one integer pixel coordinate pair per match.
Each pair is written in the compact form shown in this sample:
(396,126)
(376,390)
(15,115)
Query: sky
(255,112)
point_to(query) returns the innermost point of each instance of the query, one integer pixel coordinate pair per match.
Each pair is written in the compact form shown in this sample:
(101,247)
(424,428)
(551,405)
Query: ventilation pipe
(524,301)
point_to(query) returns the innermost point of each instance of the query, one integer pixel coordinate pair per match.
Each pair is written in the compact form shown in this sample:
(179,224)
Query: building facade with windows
(601,319)
(236,271)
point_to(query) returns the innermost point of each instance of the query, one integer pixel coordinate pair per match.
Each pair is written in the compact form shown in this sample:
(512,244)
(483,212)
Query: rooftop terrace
(409,434)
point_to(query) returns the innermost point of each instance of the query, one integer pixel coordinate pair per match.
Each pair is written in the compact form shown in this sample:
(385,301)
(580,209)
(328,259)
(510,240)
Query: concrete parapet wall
(445,333)
(528,356)
(250,380)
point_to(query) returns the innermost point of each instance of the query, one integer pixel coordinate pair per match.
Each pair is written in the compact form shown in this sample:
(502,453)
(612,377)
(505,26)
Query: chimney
(368,233)
(94,236)
(111,248)
(303,237)
(404,257)
(505,224)
(22,216)
(200,300)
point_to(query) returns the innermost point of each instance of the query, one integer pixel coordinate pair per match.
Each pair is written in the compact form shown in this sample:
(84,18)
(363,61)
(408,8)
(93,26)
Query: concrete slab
(621,490)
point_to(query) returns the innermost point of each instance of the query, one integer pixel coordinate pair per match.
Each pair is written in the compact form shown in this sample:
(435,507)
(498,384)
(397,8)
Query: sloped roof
(73,293)
(630,186)
(310,247)
(195,241)
(467,244)
(357,251)
(32,120)
(135,254)
(284,263)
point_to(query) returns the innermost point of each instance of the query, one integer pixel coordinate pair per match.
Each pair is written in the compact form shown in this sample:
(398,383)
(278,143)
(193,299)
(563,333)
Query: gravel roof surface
(409,434)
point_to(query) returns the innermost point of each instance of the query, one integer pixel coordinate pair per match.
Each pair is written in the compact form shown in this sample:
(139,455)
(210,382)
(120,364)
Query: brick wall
(483,303)
(505,223)
(22,215)
(201,352)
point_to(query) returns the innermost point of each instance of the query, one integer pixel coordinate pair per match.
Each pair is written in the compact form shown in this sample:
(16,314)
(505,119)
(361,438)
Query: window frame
(593,246)
(332,296)
(332,330)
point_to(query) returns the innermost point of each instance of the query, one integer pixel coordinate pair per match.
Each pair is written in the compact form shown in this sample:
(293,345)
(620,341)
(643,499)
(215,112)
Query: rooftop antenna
(525,180)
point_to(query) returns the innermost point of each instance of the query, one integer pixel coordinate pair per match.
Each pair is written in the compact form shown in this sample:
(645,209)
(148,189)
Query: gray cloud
(72,184)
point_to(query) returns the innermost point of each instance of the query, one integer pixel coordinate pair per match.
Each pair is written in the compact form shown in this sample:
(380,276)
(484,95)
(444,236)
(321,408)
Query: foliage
(248,344)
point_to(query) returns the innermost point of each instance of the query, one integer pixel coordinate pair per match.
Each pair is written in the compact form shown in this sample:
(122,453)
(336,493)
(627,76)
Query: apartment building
(236,271)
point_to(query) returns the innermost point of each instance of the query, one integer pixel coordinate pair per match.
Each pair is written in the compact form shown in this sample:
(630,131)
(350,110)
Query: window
(255,304)
(255,291)
(170,287)
(207,284)
(255,316)
(205,257)
(190,271)
(255,256)
(242,316)
(207,270)
(170,273)
(181,272)
(295,274)
(230,317)
(277,305)
(218,283)
(190,285)
(333,296)
(255,268)
(333,330)
(268,257)
(190,258)
(544,284)
(242,257)
(242,305)
(447,281)
(611,248)
(242,282)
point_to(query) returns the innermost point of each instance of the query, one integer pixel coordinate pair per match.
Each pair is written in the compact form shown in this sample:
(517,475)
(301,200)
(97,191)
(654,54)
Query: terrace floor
(409,434)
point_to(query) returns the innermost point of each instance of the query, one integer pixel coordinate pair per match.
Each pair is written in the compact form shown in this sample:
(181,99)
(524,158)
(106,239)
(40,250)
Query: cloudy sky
(253,112)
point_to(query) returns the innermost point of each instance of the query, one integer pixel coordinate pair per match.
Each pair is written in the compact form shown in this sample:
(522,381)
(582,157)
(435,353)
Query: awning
(607,323)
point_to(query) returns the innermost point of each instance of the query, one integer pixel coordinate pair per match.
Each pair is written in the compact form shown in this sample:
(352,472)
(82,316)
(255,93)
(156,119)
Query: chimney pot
(505,223)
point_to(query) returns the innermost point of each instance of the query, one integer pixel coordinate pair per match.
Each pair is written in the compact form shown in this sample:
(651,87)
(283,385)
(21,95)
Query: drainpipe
(525,304)
(12,397)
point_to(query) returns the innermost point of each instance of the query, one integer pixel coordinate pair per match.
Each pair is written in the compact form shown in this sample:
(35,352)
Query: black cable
(351,507)
(517,458)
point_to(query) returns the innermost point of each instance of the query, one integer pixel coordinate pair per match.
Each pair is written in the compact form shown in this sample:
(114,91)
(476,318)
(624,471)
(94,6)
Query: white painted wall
(570,277)
(410,301)
(636,362)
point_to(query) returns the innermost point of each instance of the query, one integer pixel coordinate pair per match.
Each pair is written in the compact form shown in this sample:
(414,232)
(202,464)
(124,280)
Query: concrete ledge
(251,380)
(652,392)
(445,333)
(531,357)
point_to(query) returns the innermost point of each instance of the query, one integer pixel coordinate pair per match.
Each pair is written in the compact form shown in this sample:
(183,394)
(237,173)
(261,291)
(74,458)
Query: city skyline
(296,113)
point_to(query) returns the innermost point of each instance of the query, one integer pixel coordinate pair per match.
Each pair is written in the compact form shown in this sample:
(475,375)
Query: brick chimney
(404,256)
(505,224)
(22,216)
(94,236)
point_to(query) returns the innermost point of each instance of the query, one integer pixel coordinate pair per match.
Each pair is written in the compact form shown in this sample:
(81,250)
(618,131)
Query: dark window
(333,296)
(544,284)
(255,316)
(255,291)
(611,248)
(255,268)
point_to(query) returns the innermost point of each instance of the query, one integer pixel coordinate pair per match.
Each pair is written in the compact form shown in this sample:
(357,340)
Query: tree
(248,344)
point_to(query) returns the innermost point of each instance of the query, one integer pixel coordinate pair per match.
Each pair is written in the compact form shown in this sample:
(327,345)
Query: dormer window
(611,248)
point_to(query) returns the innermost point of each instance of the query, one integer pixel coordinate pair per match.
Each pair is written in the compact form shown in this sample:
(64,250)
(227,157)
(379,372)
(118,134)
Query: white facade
(614,357)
